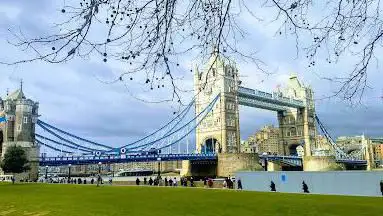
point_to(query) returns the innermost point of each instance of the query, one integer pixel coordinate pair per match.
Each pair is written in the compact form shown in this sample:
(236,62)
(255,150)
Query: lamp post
(159,167)
(99,168)
(265,160)
(69,167)
(46,173)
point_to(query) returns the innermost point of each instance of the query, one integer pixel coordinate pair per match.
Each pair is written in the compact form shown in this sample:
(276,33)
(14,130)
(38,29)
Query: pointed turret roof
(16,95)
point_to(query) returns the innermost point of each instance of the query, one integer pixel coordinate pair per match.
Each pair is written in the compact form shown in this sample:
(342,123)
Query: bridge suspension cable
(339,153)
(161,132)
(168,140)
(45,125)
(62,144)
(51,147)
(75,145)
(158,133)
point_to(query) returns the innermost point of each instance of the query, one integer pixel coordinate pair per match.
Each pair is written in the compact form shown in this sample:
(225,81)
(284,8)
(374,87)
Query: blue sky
(75,97)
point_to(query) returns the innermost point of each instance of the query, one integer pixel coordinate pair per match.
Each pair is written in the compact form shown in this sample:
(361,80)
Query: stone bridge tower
(219,131)
(21,114)
(297,126)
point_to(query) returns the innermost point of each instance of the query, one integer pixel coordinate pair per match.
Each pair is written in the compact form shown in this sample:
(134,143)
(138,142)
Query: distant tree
(149,36)
(15,160)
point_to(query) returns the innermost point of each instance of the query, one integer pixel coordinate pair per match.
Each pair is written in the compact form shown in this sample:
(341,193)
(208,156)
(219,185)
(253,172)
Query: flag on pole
(3,119)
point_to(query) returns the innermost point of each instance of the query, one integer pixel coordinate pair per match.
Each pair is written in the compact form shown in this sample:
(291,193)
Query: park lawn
(68,200)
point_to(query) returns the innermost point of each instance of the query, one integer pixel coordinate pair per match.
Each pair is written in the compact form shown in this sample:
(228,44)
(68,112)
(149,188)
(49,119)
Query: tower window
(19,127)
(25,120)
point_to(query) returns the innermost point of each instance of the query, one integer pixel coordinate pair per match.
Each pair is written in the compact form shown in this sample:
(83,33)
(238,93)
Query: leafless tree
(338,28)
(151,36)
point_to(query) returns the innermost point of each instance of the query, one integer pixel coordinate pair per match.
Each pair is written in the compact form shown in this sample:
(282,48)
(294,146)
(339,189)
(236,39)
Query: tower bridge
(218,95)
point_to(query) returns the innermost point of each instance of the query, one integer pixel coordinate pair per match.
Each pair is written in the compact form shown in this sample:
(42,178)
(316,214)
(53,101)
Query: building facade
(249,146)
(267,140)
(19,129)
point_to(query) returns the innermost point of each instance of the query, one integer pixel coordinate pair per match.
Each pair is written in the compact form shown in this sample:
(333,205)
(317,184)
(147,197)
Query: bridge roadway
(82,160)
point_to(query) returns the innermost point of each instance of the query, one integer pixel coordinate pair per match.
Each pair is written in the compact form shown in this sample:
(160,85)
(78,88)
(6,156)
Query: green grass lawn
(68,200)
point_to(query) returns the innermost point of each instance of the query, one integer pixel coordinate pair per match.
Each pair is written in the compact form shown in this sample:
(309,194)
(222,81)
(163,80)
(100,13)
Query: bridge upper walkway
(265,100)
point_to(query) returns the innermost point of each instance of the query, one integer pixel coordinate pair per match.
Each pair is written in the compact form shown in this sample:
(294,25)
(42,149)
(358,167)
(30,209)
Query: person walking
(166,181)
(137,181)
(99,180)
(175,182)
(272,186)
(145,181)
(239,184)
(150,181)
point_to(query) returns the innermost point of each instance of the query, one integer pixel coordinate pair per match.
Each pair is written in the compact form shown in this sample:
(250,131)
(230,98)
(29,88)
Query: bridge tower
(21,114)
(297,126)
(219,131)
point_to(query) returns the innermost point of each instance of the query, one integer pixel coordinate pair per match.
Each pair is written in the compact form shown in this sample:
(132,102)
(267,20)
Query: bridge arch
(211,145)
(293,148)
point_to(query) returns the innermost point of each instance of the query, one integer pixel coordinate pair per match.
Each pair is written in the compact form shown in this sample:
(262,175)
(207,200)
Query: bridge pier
(320,163)
(229,163)
(273,166)
(199,168)
(186,168)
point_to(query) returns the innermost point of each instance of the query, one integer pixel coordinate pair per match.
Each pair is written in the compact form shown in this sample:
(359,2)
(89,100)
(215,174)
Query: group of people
(158,181)
(229,183)
(94,180)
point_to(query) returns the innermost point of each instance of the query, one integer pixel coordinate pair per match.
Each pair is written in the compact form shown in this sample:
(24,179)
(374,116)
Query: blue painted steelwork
(377,140)
(350,161)
(168,139)
(288,160)
(75,145)
(160,132)
(259,104)
(273,100)
(59,161)
(60,144)
(339,153)
(51,147)
(46,125)
(82,160)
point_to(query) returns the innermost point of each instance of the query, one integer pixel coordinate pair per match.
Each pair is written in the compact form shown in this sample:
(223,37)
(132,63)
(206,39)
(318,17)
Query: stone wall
(320,163)
(229,163)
